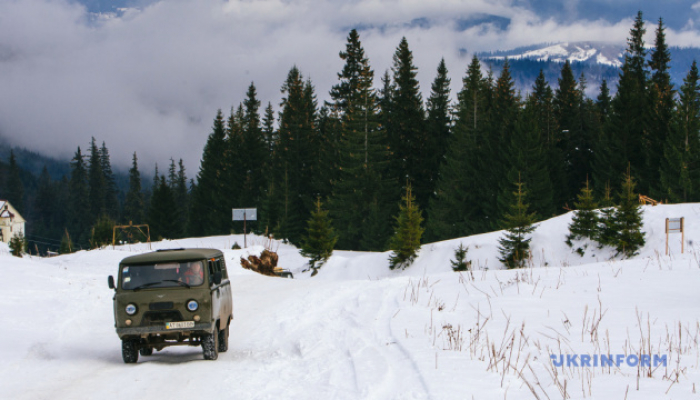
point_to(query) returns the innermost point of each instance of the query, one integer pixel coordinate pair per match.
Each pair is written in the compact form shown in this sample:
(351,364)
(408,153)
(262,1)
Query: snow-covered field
(360,331)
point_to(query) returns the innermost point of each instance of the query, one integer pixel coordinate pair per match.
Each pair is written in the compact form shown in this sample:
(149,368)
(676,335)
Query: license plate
(179,325)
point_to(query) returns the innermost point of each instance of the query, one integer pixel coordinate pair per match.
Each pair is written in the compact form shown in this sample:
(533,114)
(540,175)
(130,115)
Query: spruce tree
(629,119)
(662,101)
(519,223)
(572,140)
(405,242)
(360,183)
(505,114)
(584,223)
(438,126)
(96,183)
(607,227)
(628,219)
(79,203)
(406,130)
(210,214)
(460,263)
(162,215)
(527,157)
(111,200)
(456,209)
(134,204)
(320,237)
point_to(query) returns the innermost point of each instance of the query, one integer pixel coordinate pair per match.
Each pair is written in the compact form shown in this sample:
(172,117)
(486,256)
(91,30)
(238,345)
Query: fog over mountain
(155,72)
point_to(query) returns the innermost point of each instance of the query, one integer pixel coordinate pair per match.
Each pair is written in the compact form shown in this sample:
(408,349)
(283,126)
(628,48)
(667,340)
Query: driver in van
(194,275)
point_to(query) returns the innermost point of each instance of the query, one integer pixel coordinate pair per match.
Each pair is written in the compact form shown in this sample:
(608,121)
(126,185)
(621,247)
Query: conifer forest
(465,159)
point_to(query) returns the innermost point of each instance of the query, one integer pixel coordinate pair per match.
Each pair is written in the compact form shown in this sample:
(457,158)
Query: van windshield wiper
(181,283)
(145,285)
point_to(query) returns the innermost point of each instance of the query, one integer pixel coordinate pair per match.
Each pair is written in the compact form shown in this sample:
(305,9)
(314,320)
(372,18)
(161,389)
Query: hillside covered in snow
(358,330)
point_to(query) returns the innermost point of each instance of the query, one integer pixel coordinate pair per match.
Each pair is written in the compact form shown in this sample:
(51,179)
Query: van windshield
(171,274)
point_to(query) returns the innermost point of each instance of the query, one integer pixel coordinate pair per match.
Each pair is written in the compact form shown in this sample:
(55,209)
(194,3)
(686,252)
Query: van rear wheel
(223,340)
(210,345)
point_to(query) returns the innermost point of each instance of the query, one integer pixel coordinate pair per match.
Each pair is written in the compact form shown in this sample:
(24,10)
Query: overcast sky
(151,78)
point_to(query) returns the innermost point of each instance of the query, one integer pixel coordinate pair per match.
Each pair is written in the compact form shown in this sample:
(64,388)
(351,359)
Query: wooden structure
(130,229)
(648,200)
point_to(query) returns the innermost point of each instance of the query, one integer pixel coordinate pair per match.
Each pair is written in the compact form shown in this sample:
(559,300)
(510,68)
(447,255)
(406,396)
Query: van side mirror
(110,282)
(217,277)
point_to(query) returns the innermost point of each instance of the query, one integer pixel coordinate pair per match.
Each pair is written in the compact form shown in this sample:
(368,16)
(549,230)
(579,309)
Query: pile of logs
(266,264)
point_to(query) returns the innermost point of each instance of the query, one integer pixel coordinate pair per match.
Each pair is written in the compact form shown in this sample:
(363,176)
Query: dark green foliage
(111,192)
(519,223)
(296,160)
(662,102)
(460,262)
(574,138)
(406,132)
(628,220)
(629,119)
(14,189)
(438,127)
(607,227)
(405,242)
(209,212)
(162,214)
(66,244)
(236,246)
(102,232)
(18,245)
(79,203)
(320,238)
(527,158)
(361,191)
(584,223)
(96,183)
(134,204)
(680,167)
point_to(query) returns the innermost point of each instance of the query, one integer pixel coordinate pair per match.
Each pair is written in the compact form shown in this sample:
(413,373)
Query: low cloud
(151,80)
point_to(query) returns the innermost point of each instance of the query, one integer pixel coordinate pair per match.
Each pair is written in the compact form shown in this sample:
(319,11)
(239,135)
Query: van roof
(172,255)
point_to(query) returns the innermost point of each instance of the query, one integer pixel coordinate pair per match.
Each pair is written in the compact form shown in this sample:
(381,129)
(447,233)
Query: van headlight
(131,309)
(192,305)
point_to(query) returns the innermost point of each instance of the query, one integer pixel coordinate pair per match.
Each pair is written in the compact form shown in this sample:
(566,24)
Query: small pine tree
(460,263)
(320,237)
(66,244)
(584,223)
(102,232)
(607,225)
(628,219)
(406,240)
(18,245)
(515,245)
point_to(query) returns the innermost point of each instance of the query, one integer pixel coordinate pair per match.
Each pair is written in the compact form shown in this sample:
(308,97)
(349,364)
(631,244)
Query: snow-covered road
(360,331)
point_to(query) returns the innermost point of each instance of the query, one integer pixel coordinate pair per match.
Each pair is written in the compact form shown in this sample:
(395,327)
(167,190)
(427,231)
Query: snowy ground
(360,331)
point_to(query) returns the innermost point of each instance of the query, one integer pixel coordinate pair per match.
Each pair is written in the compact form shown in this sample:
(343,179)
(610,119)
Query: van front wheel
(210,345)
(130,350)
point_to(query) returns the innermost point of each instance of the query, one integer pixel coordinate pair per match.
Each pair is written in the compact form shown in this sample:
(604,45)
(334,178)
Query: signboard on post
(675,225)
(245,215)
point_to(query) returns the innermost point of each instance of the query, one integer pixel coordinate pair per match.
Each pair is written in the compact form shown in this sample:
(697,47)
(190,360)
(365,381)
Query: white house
(11,223)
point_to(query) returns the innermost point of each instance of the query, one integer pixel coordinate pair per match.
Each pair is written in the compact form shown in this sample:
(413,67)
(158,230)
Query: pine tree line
(359,151)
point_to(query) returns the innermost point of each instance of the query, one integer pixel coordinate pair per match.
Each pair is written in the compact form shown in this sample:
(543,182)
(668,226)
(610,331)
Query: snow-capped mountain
(598,52)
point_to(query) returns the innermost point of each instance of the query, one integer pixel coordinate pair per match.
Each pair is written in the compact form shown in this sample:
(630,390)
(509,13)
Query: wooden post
(245,241)
(682,234)
(666,236)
